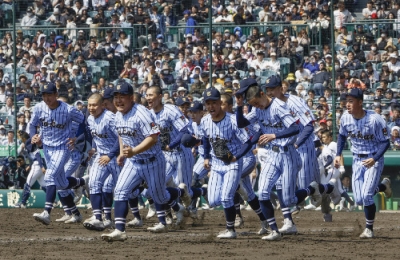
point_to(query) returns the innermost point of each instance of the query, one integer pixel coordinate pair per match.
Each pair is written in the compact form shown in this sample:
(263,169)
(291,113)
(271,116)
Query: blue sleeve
(244,149)
(240,119)
(340,144)
(39,159)
(305,134)
(114,151)
(318,152)
(207,147)
(254,138)
(329,161)
(288,132)
(177,140)
(32,130)
(81,129)
(381,150)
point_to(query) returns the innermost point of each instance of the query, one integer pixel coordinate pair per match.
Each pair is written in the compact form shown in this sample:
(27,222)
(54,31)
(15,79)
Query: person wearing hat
(281,151)
(394,63)
(29,19)
(259,63)
(58,122)
(225,17)
(190,22)
(358,53)
(141,151)
(369,142)
(274,64)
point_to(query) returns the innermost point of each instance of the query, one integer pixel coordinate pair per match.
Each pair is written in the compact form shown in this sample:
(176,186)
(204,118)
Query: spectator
(395,138)
(27,105)
(190,23)
(368,11)
(225,17)
(386,74)
(352,63)
(274,64)
(320,81)
(238,18)
(8,109)
(29,19)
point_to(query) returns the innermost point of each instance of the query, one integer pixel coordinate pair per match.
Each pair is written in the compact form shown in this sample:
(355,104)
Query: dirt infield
(23,238)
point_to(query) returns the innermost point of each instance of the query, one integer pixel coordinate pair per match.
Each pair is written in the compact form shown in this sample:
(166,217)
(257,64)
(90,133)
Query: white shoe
(334,195)
(316,198)
(248,208)
(242,207)
(310,207)
(388,191)
(264,228)
(368,233)
(295,210)
(107,223)
(158,228)
(43,217)
(74,219)
(93,217)
(239,222)
(205,206)
(288,227)
(135,223)
(318,208)
(64,218)
(179,215)
(193,213)
(352,208)
(151,212)
(227,234)
(186,200)
(94,224)
(273,236)
(341,205)
(116,235)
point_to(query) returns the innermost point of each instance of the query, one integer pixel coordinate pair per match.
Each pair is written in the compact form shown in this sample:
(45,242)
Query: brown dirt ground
(23,238)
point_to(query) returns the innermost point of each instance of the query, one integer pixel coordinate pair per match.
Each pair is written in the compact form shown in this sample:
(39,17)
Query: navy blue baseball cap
(273,81)
(355,93)
(196,106)
(49,88)
(108,93)
(245,84)
(180,101)
(188,140)
(211,94)
(123,88)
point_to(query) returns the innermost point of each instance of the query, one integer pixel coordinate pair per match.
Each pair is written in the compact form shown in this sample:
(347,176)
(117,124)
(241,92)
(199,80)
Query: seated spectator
(383,41)
(393,64)
(128,71)
(27,105)
(390,49)
(302,74)
(344,38)
(39,9)
(374,55)
(395,138)
(356,83)
(320,81)
(8,108)
(274,64)
(311,64)
(29,19)
(386,74)
(352,63)
(225,17)
(359,54)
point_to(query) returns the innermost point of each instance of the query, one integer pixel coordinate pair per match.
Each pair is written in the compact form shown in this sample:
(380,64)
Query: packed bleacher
(87,46)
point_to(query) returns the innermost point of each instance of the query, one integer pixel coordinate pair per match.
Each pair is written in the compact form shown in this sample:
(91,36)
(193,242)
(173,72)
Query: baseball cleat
(328,217)
(116,235)
(64,218)
(334,195)
(288,227)
(151,212)
(168,220)
(273,236)
(341,205)
(186,196)
(135,223)
(20,205)
(295,210)
(227,234)
(310,207)
(108,223)
(368,233)
(158,228)
(239,222)
(93,217)
(352,208)
(43,217)
(74,219)
(388,191)
(316,197)
(193,213)
(179,215)
(94,224)
(264,228)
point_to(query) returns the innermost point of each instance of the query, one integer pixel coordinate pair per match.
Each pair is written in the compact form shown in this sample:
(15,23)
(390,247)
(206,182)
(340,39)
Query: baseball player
(38,168)
(279,129)
(224,143)
(249,163)
(142,159)
(309,170)
(101,123)
(56,120)
(369,141)
(173,125)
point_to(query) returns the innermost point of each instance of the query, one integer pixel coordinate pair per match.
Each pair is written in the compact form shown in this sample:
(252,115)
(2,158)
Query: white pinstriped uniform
(309,169)
(180,160)
(199,165)
(53,124)
(133,128)
(275,118)
(365,135)
(224,179)
(332,173)
(105,137)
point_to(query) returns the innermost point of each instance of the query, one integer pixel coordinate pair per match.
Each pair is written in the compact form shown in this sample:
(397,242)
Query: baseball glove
(165,139)
(221,151)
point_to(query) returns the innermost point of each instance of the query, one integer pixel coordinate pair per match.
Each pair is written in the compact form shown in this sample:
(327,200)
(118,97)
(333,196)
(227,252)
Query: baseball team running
(140,151)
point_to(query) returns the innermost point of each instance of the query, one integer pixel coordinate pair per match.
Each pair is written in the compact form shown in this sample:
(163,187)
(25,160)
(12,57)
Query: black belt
(362,155)
(277,149)
(144,161)
(177,149)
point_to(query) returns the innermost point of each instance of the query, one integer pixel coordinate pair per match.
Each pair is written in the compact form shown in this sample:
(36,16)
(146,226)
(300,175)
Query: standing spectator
(238,19)
(368,11)
(341,16)
(190,22)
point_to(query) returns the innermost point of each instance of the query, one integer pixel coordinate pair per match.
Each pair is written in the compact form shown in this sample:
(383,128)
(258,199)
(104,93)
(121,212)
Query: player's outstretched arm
(145,145)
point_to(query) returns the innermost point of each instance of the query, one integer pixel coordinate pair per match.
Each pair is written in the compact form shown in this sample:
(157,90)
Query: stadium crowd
(366,57)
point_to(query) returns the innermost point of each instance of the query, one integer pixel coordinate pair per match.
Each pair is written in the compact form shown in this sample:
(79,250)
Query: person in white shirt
(2,92)
(274,64)
(259,63)
(224,17)
(8,108)
(366,12)
(302,74)
(341,16)
(264,14)
(232,7)
(394,64)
